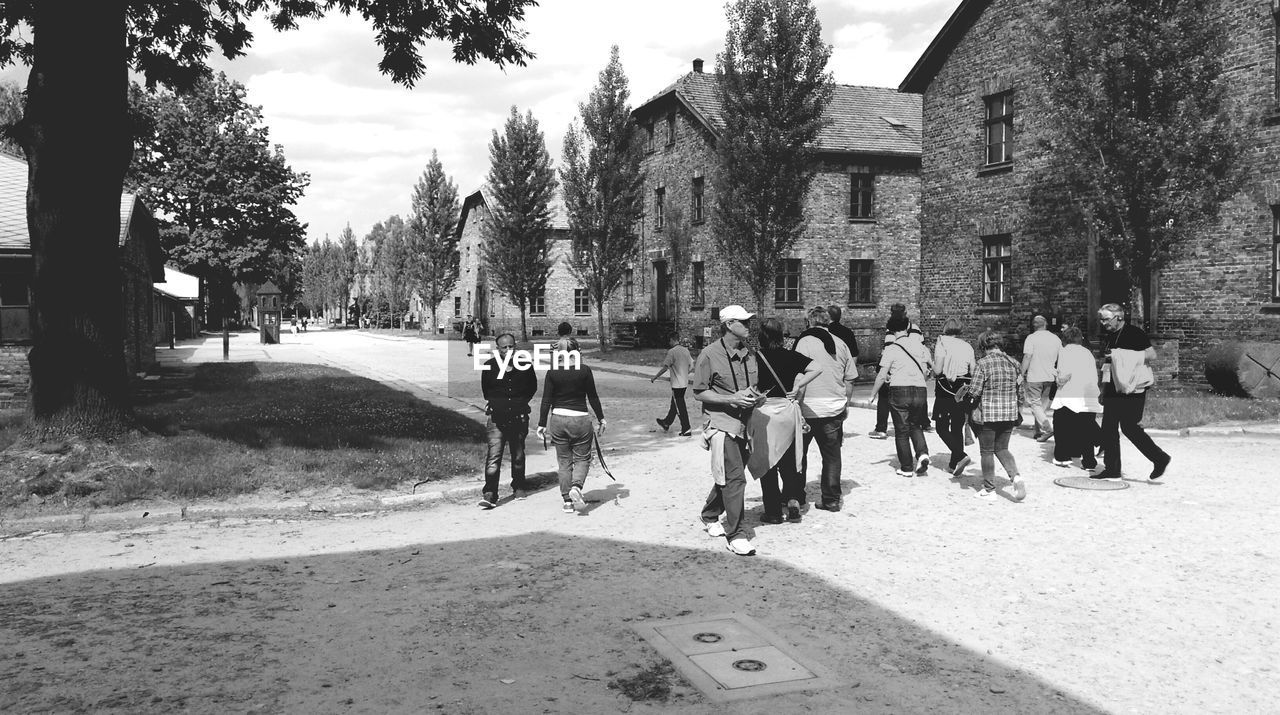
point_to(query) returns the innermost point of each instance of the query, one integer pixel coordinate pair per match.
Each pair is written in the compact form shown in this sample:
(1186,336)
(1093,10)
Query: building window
(698,291)
(628,289)
(671,129)
(457,307)
(538,302)
(698,186)
(996,252)
(1275,254)
(491,307)
(648,128)
(581,302)
(999,126)
(659,214)
(786,286)
(862,194)
(861,273)
(15,308)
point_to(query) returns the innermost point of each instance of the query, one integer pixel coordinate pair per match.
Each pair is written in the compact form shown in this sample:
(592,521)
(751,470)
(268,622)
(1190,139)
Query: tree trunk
(604,344)
(524,329)
(76,139)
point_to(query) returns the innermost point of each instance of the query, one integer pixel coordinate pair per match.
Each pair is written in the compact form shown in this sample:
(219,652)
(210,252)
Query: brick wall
(15,376)
(892,239)
(1217,289)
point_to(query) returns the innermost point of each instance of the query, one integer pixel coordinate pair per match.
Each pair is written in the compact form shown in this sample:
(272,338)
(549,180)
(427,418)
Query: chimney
(697,65)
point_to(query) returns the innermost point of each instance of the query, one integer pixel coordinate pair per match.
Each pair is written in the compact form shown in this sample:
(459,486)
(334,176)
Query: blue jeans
(993,440)
(829,433)
(907,406)
(572,438)
(510,433)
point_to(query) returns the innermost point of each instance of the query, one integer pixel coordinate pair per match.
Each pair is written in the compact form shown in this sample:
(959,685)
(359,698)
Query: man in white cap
(724,380)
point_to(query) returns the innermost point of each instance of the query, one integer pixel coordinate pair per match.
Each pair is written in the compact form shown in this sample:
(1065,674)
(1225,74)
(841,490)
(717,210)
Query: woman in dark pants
(566,390)
(997,385)
(1076,406)
(795,370)
(953,360)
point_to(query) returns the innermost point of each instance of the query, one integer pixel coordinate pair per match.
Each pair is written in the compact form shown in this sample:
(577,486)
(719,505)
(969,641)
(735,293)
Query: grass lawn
(1175,408)
(643,357)
(222,429)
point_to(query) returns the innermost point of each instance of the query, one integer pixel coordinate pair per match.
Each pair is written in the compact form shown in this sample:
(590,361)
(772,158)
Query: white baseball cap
(734,312)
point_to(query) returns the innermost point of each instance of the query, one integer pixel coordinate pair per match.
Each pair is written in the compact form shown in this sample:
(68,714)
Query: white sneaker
(741,546)
(1019,489)
(986,494)
(905,473)
(575,496)
(1061,463)
(960,466)
(922,464)
(713,528)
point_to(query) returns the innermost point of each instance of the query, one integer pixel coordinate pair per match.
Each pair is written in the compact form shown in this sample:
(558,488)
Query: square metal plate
(733,657)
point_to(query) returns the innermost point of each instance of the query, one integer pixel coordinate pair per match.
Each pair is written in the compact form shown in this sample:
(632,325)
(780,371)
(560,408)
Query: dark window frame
(671,129)
(457,306)
(659,209)
(997,253)
(862,281)
(649,143)
(862,196)
(1275,254)
(581,302)
(538,303)
(697,205)
(1004,121)
(787,283)
(697,285)
(628,289)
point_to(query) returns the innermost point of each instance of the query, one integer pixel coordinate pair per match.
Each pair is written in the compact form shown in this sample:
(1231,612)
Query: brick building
(564,299)
(141,265)
(986,261)
(861,248)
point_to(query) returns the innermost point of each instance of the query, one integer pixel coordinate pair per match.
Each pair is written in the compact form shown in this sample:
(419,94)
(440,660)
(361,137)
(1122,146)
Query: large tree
(433,243)
(11,101)
(517,238)
(603,189)
(1140,143)
(75,134)
(774,90)
(389,280)
(224,195)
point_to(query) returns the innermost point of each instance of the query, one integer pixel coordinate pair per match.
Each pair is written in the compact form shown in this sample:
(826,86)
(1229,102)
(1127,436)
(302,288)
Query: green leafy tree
(603,189)
(517,238)
(774,89)
(389,279)
(432,260)
(11,102)
(1140,143)
(347,267)
(222,192)
(75,134)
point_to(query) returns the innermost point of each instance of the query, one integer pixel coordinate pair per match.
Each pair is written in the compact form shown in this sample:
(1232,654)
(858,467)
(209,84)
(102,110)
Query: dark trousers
(1075,434)
(792,484)
(729,498)
(509,434)
(829,433)
(678,408)
(882,409)
(1123,413)
(908,407)
(948,420)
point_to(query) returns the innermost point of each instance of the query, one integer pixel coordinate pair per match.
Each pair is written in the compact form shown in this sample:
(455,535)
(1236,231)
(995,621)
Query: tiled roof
(179,285)
(865,120)
(13,206)
(559,217)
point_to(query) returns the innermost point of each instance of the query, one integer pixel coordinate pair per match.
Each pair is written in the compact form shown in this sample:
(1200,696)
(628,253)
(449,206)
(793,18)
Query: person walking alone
(566,391)
(1128,350)
(680,363)
(997,388)
(507,398)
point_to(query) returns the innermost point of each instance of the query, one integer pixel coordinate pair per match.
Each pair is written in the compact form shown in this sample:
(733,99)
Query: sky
(365,140)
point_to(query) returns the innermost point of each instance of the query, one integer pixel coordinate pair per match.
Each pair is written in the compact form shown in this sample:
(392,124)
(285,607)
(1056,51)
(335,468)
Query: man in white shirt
(1039,358)
(826,401)
(680,363)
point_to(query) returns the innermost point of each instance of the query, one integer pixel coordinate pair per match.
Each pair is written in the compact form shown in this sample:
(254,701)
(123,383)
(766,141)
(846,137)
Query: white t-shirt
(825,396)
(1041,350)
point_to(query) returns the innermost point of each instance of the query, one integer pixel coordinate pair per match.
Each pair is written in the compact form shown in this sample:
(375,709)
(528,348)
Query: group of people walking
(765,407)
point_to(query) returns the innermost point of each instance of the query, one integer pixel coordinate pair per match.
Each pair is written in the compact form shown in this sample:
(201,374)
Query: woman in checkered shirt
(997,384)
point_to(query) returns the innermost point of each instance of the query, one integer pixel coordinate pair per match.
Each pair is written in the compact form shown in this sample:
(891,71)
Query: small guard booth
(269,313)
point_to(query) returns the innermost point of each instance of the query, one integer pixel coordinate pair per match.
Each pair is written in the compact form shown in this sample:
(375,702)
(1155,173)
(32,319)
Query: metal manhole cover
(748,665)
(1097,485)
(708,637)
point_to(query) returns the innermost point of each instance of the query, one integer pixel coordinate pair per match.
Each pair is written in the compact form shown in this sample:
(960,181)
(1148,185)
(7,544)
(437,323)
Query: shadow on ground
(532,623)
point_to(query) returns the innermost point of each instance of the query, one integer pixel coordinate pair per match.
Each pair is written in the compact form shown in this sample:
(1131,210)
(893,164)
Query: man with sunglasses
(724,379)
(1122,412)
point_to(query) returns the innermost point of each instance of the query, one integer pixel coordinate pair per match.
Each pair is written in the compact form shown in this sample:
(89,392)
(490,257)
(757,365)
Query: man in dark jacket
(840,331)
(507,399)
